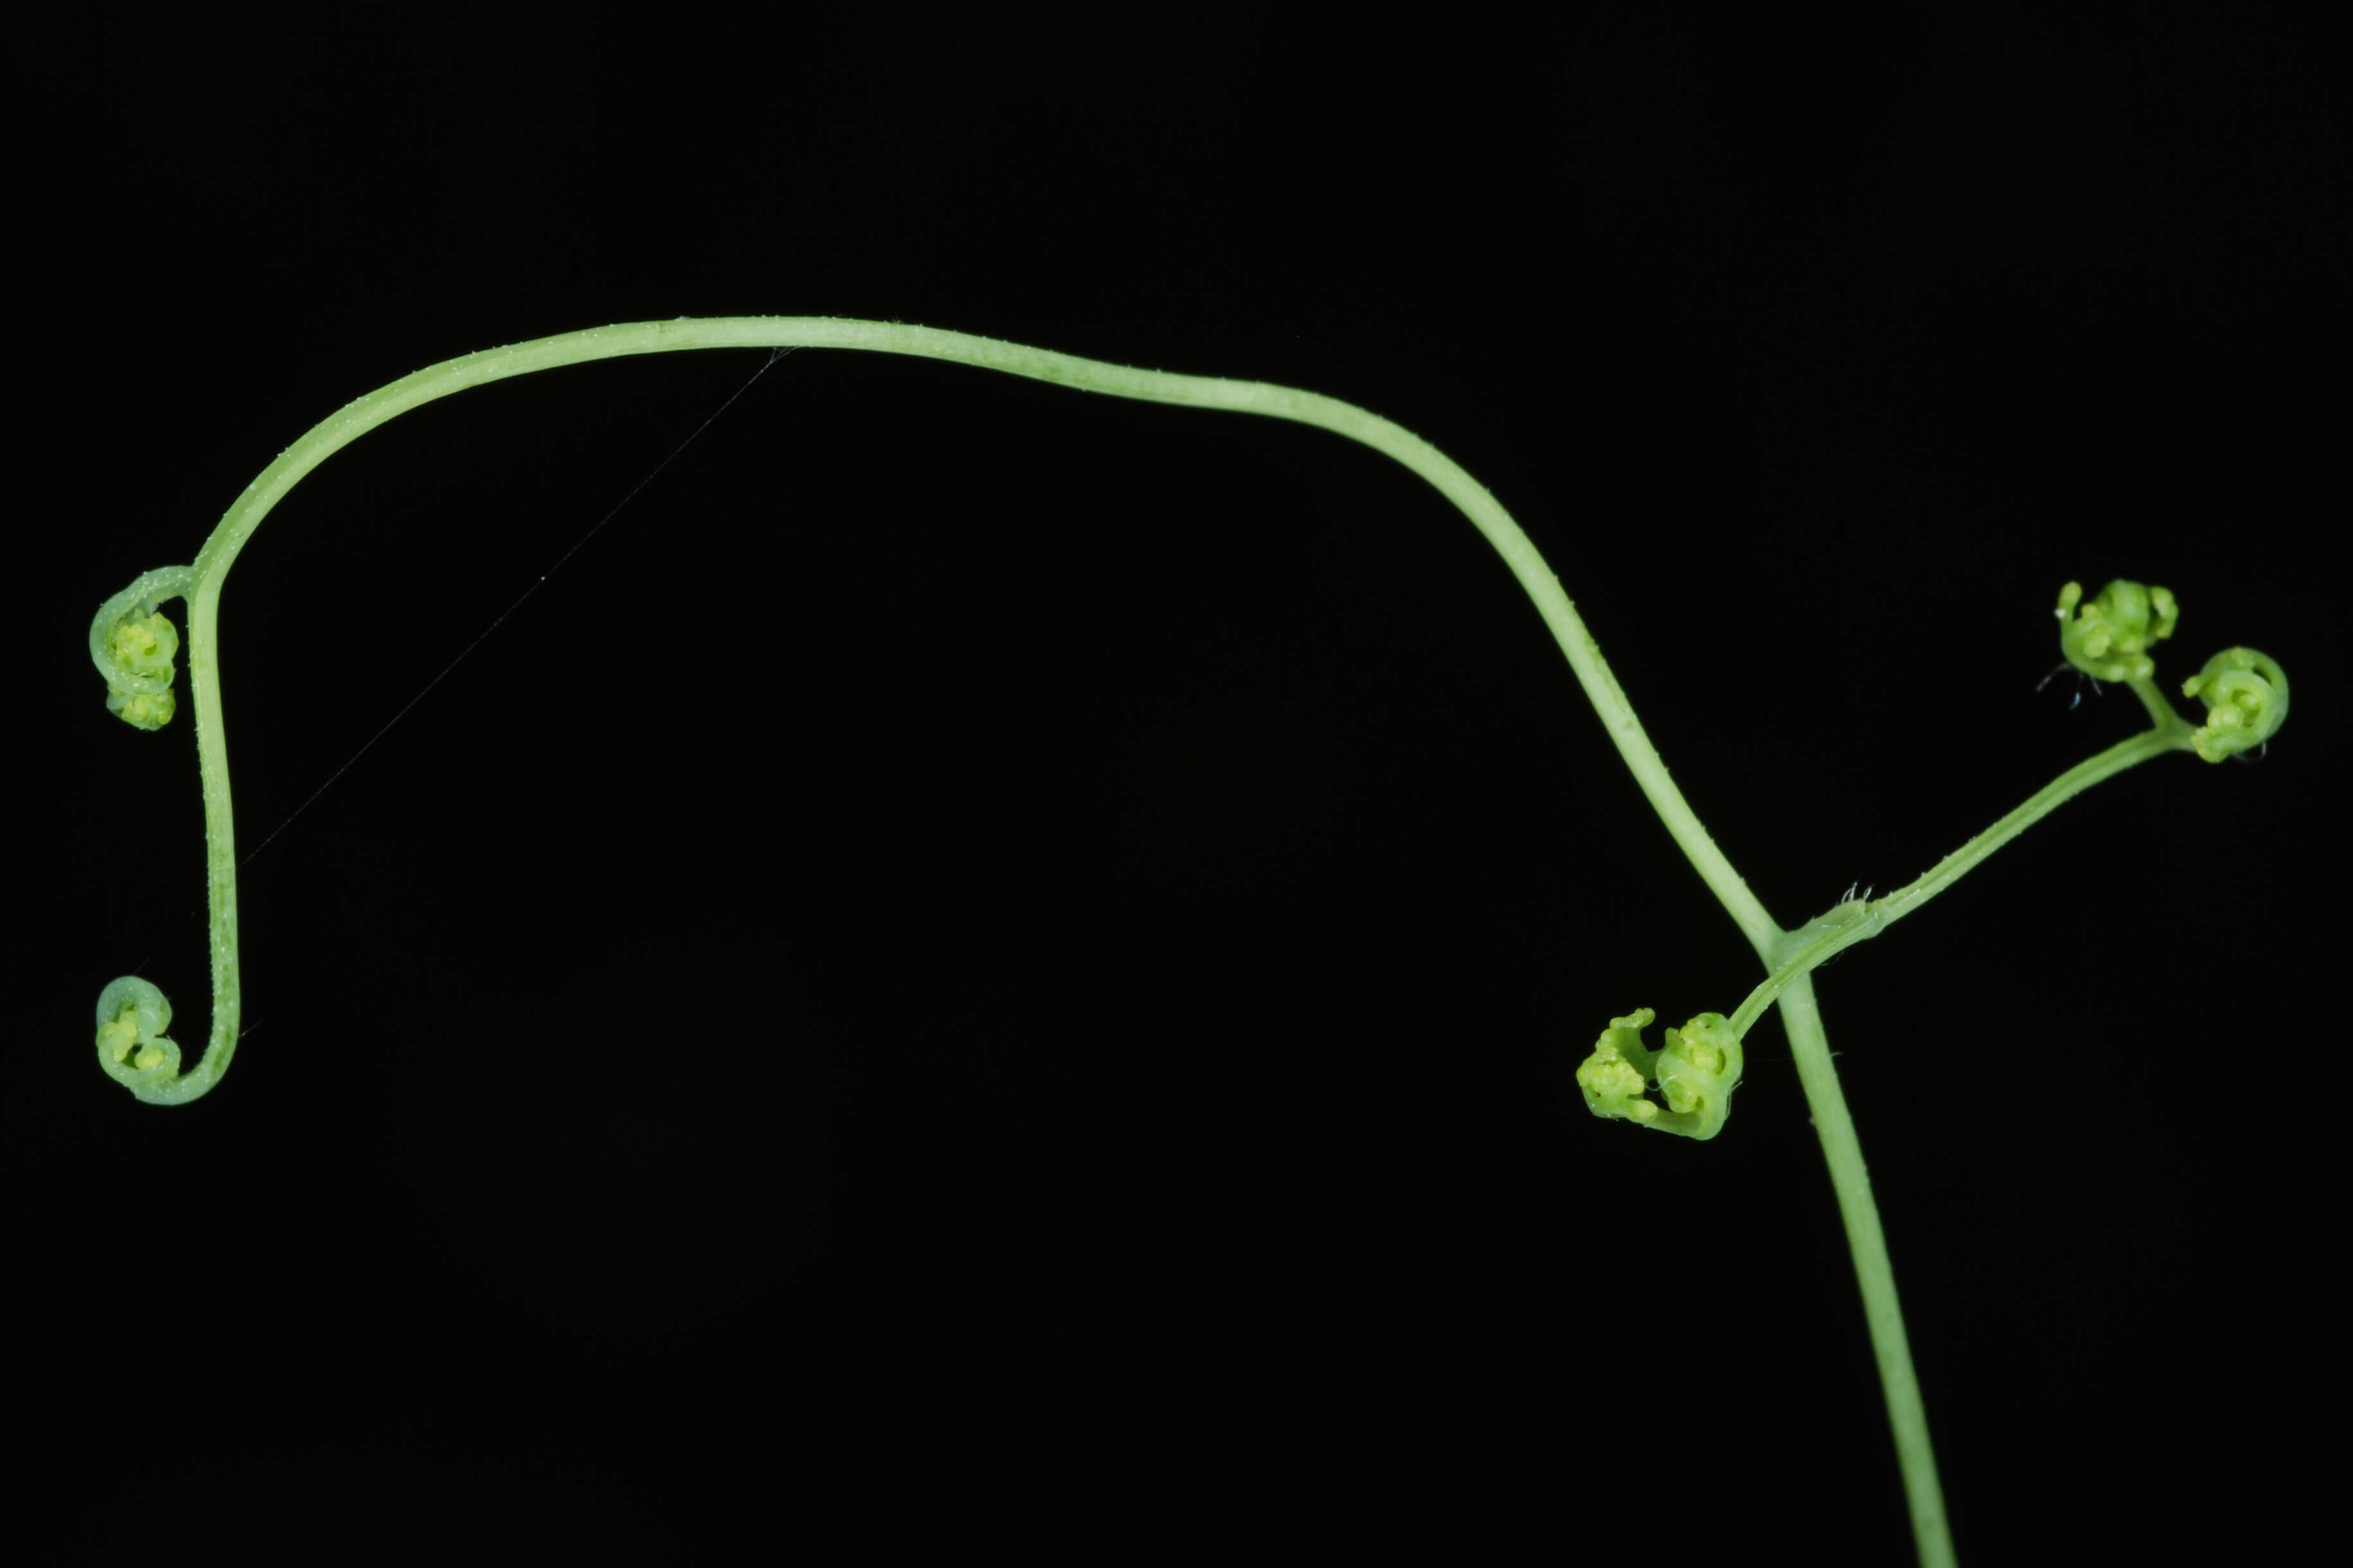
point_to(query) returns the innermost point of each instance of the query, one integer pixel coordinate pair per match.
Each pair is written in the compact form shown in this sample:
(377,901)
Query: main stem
(1908,1417)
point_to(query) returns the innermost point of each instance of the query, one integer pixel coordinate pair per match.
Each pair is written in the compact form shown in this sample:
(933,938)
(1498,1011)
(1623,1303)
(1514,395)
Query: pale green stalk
(201,585)
(1694,1073)
(1874,1273)
(1812,945)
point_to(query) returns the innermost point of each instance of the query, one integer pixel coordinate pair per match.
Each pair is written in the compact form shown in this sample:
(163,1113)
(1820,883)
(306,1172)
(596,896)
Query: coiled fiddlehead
(2245,693)
(134,645)
(135,1052)
(2109,638)
(1695,1071)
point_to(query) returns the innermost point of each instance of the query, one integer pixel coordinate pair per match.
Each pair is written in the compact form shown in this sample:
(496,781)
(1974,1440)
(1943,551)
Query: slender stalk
(1808,948)
(201,582)
(1908,1417)
(2173,734)
(1520,555)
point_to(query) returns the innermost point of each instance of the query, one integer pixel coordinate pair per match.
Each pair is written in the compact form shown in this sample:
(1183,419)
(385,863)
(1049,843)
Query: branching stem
(2107,637)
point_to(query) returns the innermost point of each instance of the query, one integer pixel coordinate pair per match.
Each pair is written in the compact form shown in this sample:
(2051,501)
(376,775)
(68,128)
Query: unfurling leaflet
(1695,1071)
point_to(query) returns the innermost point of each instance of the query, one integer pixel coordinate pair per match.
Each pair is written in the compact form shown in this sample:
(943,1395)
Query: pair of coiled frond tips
(134,646)
(1695,1071)
(2109,638)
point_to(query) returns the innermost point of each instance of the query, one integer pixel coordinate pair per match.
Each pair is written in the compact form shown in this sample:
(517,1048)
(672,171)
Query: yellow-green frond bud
(2245,695)
(2109,638)
(1698,1068)
(147,643)
(133,643)
(142,709)
(1615,1076)
(138,685)
(1695,1072)
(132,1047)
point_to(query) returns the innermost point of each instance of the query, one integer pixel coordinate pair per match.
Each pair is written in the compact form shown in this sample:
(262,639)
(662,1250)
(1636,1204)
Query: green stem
(2170,734)
(204,582)
(2160,711)
(1907,1417)
(1810,946)
(220,831)
(1472,498)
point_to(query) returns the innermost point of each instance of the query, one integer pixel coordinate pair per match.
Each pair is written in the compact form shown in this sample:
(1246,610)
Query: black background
(986,968)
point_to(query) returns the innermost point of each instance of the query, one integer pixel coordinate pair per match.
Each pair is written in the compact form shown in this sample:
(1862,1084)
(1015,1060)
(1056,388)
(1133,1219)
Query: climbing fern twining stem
(1684,1086)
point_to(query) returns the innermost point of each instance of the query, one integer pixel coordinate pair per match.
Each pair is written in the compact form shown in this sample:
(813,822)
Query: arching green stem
(124,638)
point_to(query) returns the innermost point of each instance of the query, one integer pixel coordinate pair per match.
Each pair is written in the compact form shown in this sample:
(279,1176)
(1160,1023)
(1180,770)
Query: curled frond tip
(133,643)
(136,1053)
(1694,1072)
(2245,693)
(2109,638)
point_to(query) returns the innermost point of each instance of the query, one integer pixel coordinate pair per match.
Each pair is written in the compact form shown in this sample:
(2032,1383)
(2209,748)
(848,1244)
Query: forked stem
(1693,1071)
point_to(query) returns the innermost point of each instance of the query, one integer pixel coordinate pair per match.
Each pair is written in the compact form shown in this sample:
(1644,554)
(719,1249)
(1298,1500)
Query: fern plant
(1684,1085)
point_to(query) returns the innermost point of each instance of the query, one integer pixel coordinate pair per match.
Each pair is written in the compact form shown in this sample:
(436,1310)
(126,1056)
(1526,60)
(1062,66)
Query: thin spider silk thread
(496,621)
